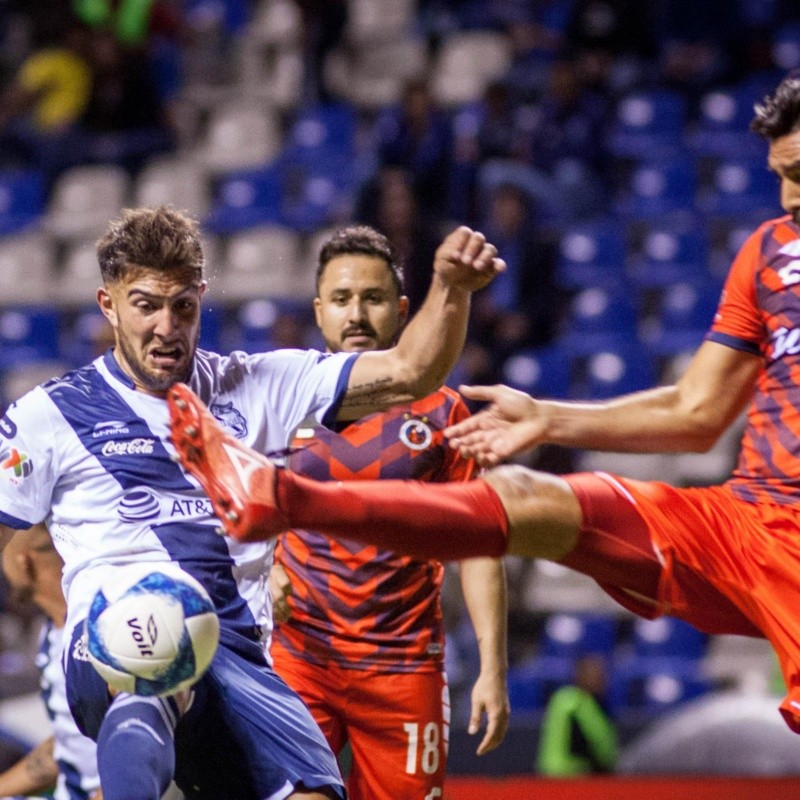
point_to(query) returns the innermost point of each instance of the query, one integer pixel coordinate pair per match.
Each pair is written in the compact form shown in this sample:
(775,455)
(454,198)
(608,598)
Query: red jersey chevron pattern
(760,313)
(353,604)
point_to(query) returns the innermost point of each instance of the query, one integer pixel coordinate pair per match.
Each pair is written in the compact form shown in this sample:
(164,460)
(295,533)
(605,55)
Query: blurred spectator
(389,204)
(324,23)
(131,21)
(124,118)
(500,132)
(416,136)
(40,109)
(578,737)
(520,307)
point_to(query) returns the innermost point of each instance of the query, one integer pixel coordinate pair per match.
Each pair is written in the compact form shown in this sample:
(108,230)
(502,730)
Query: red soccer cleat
(239,482)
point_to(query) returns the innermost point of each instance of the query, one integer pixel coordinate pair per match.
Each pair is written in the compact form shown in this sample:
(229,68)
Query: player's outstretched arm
(35,773)
(509,424)
(432,342)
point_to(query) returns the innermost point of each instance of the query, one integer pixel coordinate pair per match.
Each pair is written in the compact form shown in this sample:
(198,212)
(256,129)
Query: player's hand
(280,587)
(489,698)
(509,424)
(466,260)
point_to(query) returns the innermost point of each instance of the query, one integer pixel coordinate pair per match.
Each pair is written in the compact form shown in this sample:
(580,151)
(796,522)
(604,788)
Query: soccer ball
(151,630)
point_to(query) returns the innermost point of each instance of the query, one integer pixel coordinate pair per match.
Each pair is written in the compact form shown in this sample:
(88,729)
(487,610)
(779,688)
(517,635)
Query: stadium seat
(278,23)
(319,131)
(723,126)
(573,635)
(591,255)
(556,588)
(648,125)
(240,136)
(541,372)
(613,372)
(597,319)
(739,187)
(263,262)
(786,46)
(26,268)
(530,685)
(244,200)
(22,200)
(370,22)
(25,376)
(85,334)
(658,188)
(669,254)
(467,62)
(179,182)
(667,636)
(29,334)
(80,274)
(684,317)
(645,688)
(83,198)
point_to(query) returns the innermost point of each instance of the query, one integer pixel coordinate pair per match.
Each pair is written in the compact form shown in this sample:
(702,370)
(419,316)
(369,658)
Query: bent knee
(544,515)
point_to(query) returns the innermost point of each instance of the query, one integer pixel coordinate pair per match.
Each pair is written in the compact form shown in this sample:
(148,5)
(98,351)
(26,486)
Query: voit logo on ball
(15,465)
(138,505)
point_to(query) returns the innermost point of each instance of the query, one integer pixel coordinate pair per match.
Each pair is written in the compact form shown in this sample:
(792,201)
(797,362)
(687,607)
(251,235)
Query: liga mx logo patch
(416,434)
(15,465)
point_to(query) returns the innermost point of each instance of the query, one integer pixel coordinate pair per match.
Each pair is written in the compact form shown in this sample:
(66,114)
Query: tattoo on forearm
(366,393)
(40,765)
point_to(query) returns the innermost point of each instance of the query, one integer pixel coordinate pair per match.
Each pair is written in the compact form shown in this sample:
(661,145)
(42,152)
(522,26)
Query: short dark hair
(779,113)
(362,240)
(159,238)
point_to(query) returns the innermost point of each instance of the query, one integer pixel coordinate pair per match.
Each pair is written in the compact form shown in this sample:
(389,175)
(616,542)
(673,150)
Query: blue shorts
(246,735)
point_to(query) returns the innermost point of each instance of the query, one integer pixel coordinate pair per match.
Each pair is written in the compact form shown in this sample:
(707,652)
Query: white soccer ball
(151,629)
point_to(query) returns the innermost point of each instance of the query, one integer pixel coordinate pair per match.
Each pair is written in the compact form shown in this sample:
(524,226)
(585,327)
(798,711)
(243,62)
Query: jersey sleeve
(305,383)
(738,323)
(456,467)
(27,461)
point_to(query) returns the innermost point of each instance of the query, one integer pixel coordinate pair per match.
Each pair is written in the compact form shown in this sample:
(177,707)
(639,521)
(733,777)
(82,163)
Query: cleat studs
(191,431)
(175,457)
(181,404)
(232,516)
(219,530)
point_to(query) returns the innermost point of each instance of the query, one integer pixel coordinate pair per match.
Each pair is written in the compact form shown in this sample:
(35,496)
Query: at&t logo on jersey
(15,465)
(416,434)
(134,447)
(143,504)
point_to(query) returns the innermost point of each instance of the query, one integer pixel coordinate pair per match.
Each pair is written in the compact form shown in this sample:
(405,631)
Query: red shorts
(398,724)
(718,562)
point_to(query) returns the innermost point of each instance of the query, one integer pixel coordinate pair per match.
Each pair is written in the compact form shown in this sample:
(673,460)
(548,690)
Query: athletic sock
(135,748)
(449,521)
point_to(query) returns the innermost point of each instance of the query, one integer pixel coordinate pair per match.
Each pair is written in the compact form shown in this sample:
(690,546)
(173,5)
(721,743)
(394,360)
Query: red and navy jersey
(351,603)
(760,313)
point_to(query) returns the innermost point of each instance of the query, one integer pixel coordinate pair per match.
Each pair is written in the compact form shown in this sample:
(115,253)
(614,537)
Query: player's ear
(402,310)
(318,312)
(106,303)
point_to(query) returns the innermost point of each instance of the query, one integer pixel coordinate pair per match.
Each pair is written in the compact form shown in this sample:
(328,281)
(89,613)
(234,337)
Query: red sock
(448,522)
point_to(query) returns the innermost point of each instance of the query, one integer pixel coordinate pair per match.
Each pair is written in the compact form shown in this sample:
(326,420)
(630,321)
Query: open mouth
(166,357)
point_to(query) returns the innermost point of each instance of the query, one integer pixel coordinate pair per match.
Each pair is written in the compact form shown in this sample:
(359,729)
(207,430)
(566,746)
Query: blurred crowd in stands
(602,145)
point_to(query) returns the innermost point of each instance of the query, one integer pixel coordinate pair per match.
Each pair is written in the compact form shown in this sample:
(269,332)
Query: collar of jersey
(116,371)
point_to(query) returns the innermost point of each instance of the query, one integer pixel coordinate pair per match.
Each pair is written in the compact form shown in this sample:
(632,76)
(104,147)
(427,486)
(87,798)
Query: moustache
(361,331)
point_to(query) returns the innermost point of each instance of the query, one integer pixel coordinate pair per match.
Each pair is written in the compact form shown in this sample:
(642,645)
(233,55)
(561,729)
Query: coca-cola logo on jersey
(134,447)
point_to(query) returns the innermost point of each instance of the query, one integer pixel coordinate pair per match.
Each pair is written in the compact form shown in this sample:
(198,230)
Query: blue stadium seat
(598,318)
(22,200)
(541,372)
(613,372)
(530,685)
(573,635)
(786,46)
(648,687)
(648,125)
(723,126)
(658,188)
(685,316)
(670,253)
(740,186)
(244,200)
(82,336)
(211,327)
(28,334)
(667,636)
(591,255)
(320,130)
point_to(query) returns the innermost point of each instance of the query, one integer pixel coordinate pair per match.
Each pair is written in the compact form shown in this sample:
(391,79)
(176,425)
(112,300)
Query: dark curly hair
(362,240)
(159,238)
(779,113)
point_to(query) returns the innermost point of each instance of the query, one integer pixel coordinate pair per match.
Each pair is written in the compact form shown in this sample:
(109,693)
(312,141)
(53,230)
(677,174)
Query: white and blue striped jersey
(75,754)
(90,456)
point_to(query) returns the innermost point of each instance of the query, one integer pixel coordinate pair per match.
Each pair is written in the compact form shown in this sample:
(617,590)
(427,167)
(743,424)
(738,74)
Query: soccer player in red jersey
(726,558)
(363,644)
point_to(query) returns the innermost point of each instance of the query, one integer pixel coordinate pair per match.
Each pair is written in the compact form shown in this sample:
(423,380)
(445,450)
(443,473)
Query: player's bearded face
(358,307)
(156,320)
